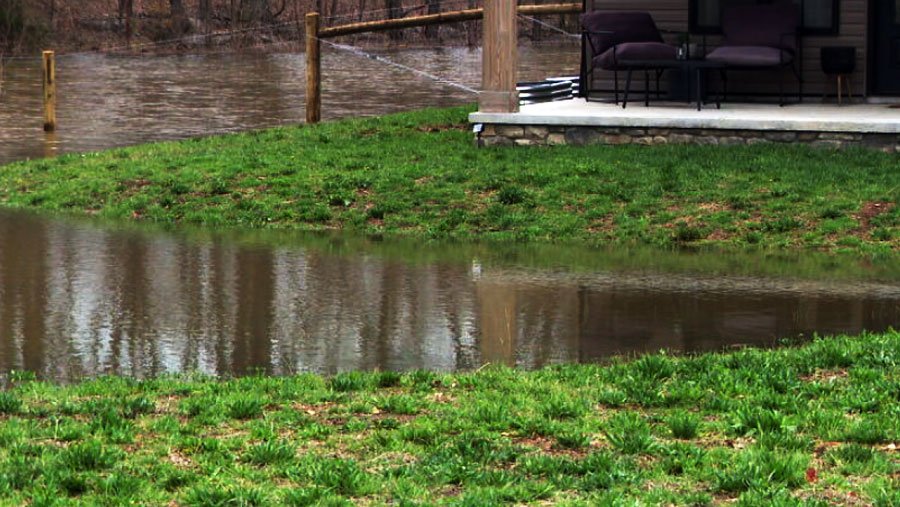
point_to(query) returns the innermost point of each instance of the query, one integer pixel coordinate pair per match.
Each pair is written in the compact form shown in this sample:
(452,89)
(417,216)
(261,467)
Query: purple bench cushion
(750,56)
(761,25)
(634,51)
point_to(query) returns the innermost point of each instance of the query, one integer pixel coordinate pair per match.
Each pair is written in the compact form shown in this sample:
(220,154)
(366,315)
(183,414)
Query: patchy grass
(419,174)
(814,424)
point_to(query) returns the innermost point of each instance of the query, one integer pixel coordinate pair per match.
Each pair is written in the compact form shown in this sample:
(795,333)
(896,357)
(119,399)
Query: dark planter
(838,60)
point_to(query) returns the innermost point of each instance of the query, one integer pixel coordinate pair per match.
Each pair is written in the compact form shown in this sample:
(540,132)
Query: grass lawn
(419,174)
(813,424)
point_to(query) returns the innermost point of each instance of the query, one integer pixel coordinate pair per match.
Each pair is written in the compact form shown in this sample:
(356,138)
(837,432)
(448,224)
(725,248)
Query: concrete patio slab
(851,118)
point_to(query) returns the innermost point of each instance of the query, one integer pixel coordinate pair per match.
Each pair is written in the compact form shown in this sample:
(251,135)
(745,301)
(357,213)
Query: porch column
(499,58)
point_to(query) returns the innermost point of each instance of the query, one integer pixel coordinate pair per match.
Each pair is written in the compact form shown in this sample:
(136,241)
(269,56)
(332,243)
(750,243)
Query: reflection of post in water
(255,295)
(50,142)
(498,322)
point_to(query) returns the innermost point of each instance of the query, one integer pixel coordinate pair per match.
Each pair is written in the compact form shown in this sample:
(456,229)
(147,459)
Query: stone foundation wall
(525,135)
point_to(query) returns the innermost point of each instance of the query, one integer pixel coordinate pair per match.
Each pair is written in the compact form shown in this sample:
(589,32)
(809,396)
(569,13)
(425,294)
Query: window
(820,17)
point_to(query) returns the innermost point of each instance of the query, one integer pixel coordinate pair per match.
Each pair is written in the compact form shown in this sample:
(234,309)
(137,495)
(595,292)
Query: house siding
(673,15)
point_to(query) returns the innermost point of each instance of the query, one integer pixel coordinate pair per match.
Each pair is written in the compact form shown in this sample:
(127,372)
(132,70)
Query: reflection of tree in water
(77,300)
(23,298)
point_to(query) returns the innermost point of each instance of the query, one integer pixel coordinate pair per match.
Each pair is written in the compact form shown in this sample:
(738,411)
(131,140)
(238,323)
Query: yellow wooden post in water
(313,69)
(49,92)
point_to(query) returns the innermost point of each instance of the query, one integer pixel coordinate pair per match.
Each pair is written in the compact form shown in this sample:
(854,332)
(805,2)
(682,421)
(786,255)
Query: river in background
(109,101)
(81,298)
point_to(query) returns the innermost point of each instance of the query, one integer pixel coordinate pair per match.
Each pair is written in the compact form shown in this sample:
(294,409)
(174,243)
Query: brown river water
(107,101)
(83,298)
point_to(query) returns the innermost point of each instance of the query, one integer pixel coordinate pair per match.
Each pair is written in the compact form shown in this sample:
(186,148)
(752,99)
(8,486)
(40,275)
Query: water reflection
(76,299)
(107,101)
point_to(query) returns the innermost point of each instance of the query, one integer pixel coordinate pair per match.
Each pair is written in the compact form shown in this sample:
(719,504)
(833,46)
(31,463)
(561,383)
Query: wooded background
(187,25)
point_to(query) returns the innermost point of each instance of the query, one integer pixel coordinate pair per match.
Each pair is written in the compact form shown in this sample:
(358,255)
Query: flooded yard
(82,298)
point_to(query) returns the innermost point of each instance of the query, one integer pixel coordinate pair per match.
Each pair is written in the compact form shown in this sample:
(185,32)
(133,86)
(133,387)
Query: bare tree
(434,7)
(176,8)
(394,10)
(472,28)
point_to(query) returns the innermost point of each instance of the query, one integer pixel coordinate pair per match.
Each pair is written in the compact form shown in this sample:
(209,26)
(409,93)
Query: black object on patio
(758,37)
(615,37)
(839,62)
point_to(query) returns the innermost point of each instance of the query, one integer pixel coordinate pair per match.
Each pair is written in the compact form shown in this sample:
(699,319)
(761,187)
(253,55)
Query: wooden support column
(499,58)
(313,69)
(49,91)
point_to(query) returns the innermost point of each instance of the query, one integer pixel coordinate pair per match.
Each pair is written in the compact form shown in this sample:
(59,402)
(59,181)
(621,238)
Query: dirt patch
(548,446)
(712,207)
(180,460)
(871,210)
(442,128)
(825,376)
(718,235)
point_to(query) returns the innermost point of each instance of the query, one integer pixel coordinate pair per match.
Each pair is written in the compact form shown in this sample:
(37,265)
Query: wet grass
(812,424)
(419,174)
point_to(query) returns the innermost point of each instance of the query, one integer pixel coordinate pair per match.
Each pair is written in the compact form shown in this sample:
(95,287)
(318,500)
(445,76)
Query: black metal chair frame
(589,75)
(795,64)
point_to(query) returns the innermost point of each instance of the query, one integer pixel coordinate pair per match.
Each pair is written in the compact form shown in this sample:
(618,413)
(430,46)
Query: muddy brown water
(81,298)
(107,101)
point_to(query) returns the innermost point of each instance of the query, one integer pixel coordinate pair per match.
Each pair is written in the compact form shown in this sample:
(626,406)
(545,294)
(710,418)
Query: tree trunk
(203,13)
(362,10)
(434,7)
(472,28)
(537,30)
(395,11)
(256,11)
(180,22)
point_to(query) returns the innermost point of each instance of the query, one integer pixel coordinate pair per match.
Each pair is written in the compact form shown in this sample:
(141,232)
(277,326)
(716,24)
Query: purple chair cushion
(610,58)
(761,25)
(627,26)
(750,56)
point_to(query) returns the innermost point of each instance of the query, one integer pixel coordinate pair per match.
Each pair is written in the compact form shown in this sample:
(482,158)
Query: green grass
(419,174)
(757,427)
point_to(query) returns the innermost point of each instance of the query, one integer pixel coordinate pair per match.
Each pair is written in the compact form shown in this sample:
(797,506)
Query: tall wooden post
(499,58)
(49,92)
(313,69)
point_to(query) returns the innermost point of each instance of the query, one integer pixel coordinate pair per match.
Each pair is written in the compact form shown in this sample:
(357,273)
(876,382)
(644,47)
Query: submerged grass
(419,174)
(776,427)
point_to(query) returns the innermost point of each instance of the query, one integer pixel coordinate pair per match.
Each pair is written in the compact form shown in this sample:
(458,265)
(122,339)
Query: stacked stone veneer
(496,134)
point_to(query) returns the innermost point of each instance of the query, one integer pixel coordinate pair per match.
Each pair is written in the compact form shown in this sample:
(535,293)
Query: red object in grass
(812,475)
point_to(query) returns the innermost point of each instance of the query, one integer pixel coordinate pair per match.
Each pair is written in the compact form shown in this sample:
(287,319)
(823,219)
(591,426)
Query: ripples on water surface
(77,298)
(107,101)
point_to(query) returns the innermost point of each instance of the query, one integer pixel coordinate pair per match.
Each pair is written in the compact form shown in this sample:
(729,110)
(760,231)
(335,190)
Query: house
(751,115)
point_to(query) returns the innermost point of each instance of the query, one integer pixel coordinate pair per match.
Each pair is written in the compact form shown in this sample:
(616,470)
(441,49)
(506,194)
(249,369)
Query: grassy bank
(419,174)
(816,424)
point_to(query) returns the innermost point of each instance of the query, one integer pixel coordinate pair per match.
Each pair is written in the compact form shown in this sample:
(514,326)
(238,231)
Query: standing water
(78,298)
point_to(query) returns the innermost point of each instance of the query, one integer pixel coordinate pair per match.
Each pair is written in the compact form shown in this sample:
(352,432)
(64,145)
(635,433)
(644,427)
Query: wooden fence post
(313,69)
(499,57)
(49,92)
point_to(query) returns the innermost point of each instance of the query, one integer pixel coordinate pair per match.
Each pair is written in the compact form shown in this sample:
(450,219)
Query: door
(885,27)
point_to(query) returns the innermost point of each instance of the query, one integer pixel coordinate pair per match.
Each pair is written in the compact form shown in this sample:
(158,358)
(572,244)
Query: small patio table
(696,66)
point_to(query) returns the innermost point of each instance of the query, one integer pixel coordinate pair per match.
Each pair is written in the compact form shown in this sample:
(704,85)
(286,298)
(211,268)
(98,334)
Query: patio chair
(759,37)
(618,41)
